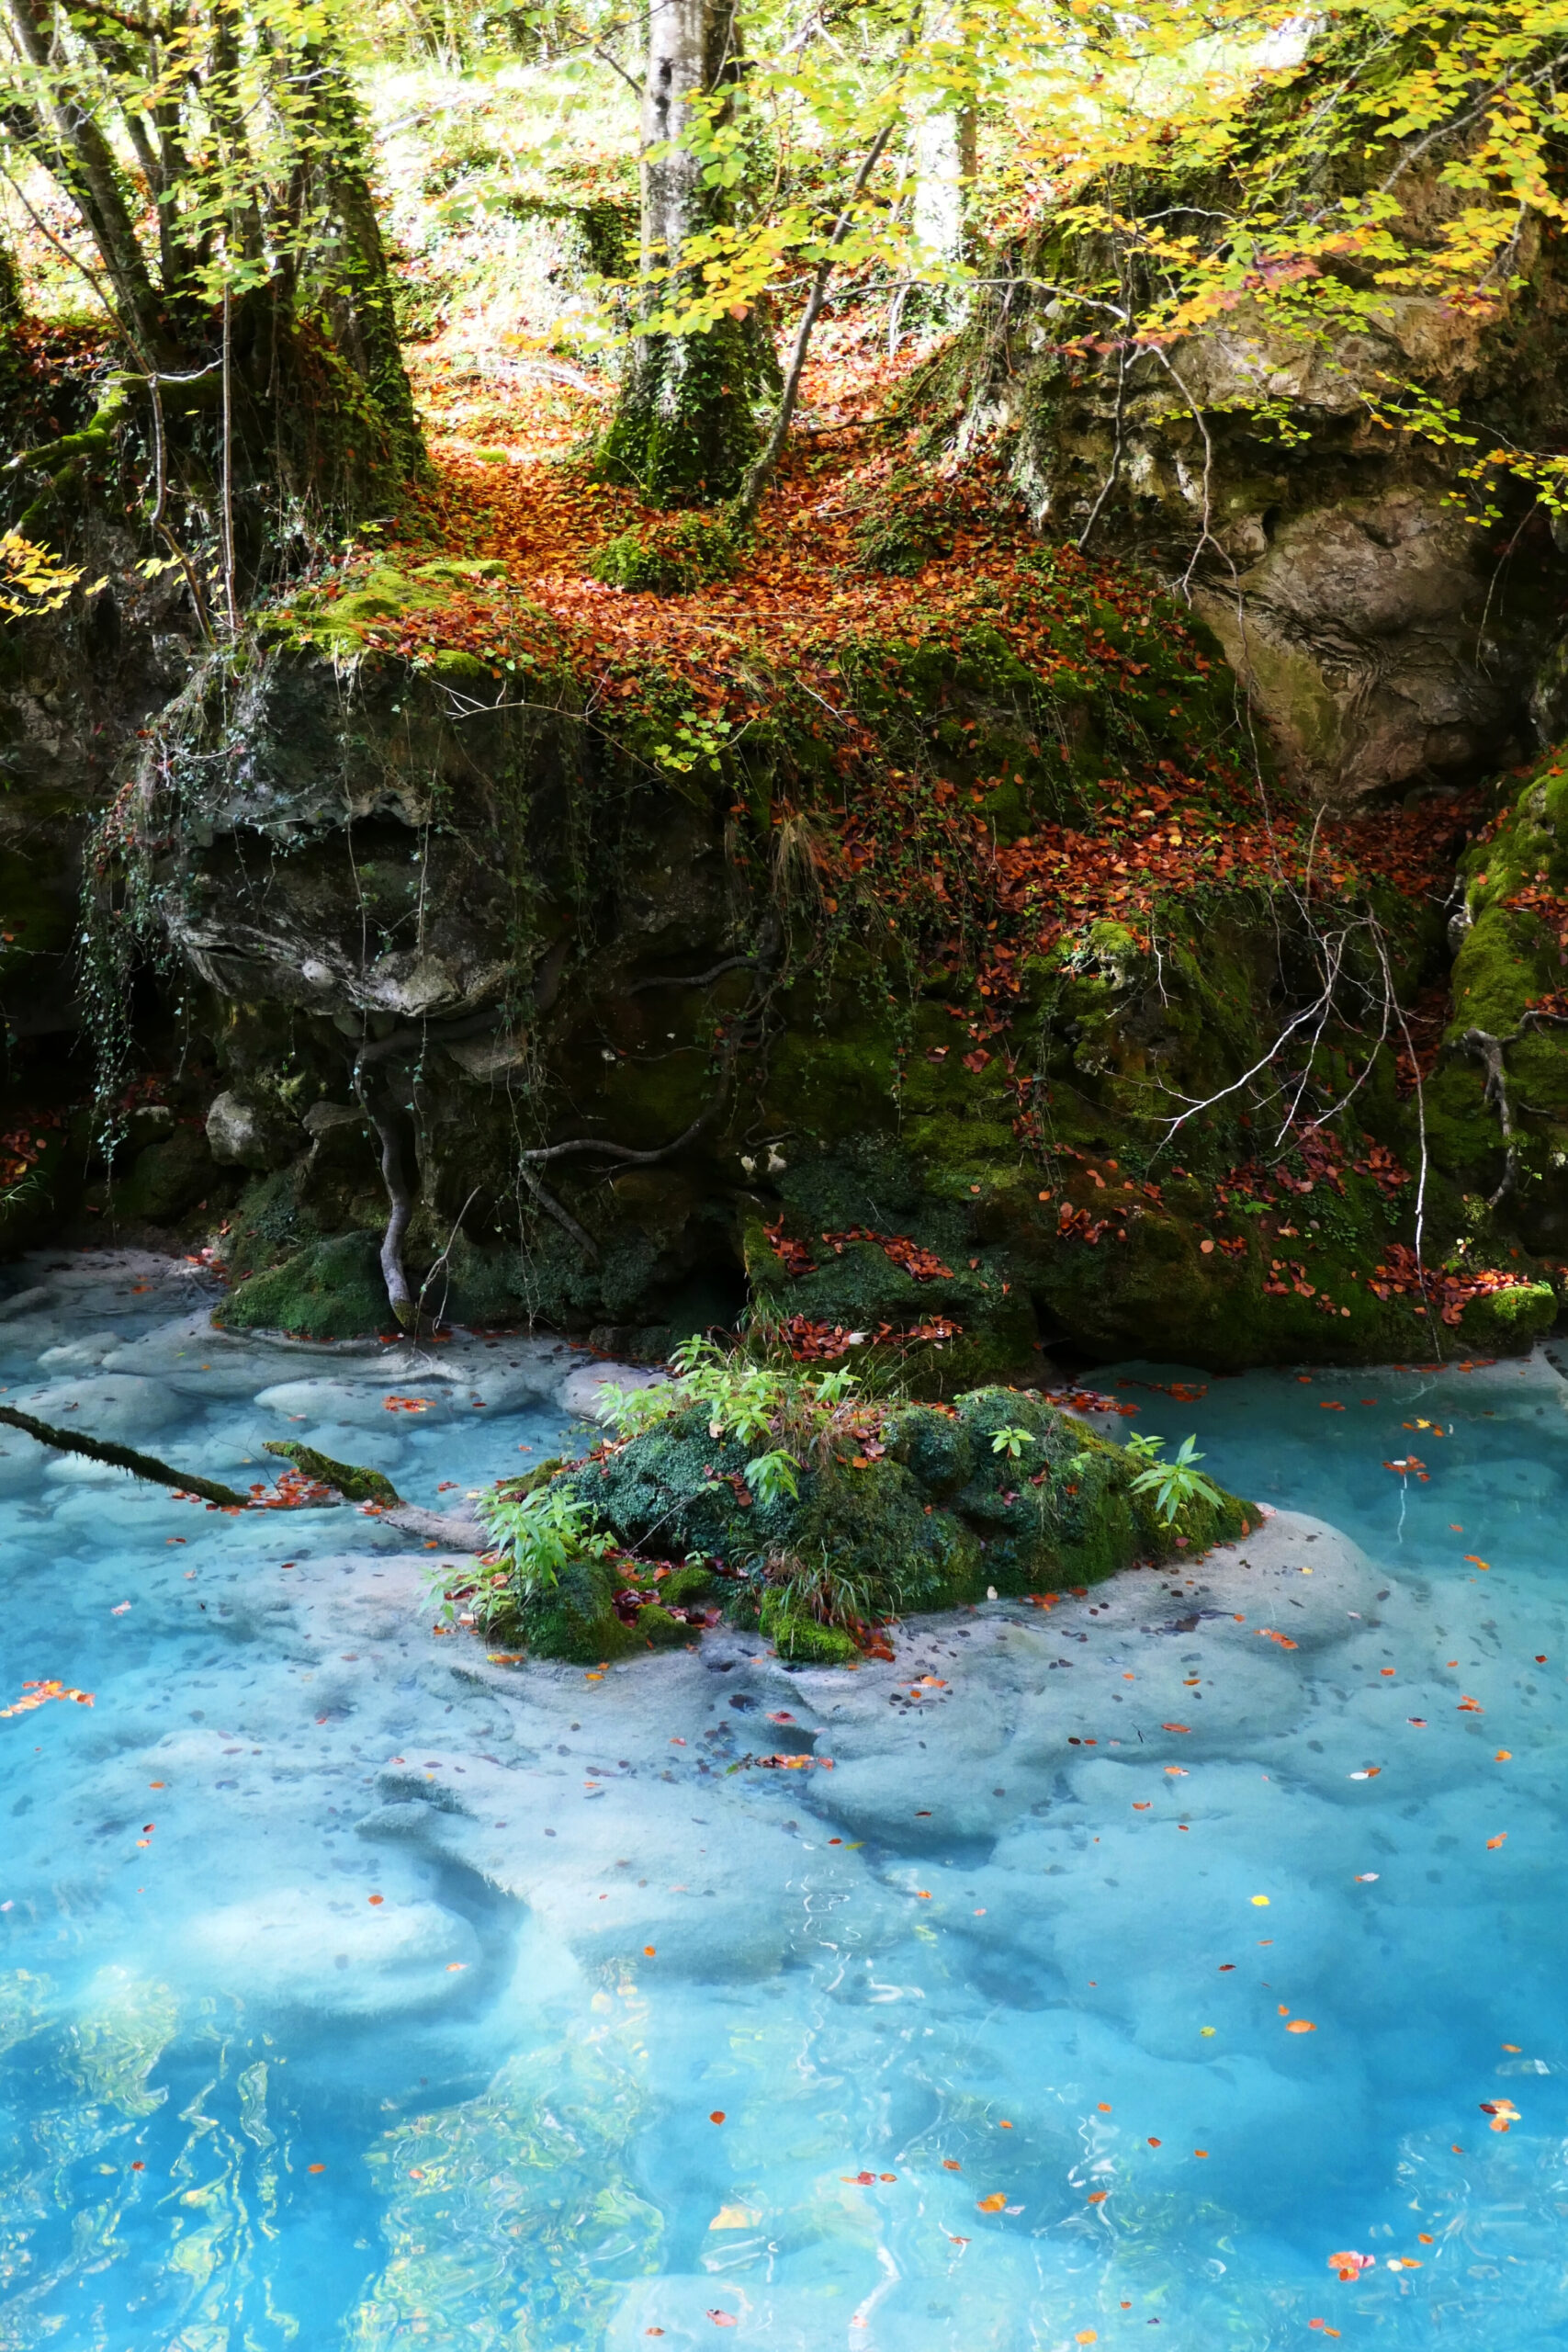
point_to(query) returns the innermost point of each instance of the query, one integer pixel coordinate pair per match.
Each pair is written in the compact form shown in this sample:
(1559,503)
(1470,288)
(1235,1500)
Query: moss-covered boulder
(168,1178)
(911,1507)
(1497,1101)
(333,1289)
(575,1618)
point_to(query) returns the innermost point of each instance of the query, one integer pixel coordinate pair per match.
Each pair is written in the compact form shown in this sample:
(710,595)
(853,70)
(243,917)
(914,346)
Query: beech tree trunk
(683,430)
(944,172)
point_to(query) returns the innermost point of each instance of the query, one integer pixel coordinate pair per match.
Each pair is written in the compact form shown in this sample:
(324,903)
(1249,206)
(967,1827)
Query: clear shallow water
(245,2104)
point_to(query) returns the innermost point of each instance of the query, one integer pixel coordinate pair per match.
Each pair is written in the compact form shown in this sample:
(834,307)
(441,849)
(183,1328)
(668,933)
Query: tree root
(124,1457)
(562,1216)
(1483,1048)
(394,1177)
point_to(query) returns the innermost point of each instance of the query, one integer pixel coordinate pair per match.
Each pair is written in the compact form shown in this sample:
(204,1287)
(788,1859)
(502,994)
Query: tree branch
(763,472)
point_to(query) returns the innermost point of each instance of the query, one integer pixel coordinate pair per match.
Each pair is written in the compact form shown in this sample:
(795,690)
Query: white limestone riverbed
(357,1990)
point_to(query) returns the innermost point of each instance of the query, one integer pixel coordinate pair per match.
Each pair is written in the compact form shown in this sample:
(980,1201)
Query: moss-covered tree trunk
(262,395)
(683,430)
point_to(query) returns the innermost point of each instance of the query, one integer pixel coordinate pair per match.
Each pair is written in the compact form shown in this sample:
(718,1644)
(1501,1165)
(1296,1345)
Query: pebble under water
(1135,1956)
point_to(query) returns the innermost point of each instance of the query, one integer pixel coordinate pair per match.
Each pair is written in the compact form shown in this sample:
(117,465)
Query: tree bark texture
(683,430)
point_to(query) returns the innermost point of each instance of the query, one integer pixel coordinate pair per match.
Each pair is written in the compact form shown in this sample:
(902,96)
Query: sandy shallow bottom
(1091,1971)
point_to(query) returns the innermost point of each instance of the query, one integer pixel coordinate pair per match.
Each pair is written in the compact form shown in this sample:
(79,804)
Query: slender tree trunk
(684,429)
(944,173)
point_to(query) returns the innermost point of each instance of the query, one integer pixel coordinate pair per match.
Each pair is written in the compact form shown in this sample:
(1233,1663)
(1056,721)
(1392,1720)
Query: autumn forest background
(892,670)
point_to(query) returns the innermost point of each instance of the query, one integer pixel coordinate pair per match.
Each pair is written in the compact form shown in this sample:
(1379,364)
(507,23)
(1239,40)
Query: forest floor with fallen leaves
(509,440)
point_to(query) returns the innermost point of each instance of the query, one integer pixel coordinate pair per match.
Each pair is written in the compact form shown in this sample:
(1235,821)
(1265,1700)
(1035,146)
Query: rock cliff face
(1388,639)
(985,984)
(623,1045)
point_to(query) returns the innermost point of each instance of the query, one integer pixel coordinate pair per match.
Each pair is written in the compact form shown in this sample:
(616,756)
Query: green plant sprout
(1171,1483)
(535,1537)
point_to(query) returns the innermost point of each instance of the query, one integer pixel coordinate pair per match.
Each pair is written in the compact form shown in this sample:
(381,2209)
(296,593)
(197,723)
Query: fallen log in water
(350,1479)
(359,1484)
(124,1457)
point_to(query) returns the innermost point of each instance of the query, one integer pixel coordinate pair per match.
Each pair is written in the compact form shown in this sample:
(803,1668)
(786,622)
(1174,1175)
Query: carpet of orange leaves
(513,485)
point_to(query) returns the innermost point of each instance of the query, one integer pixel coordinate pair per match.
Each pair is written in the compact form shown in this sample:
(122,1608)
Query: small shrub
(672,556)
(537,1537)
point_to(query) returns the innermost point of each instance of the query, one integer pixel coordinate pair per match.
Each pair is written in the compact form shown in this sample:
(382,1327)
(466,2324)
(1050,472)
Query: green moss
(939,1519)
(1508,1322)
(352,1480)
(803,1639)
(659,1630)
(670,557)
(333,1289)
(576,1619)
(687,1584)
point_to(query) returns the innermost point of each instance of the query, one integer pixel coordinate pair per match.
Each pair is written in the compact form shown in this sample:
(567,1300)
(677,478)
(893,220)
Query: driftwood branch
(124,1457)
(459,1534)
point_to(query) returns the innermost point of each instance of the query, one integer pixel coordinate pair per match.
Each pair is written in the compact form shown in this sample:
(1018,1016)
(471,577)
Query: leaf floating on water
(38,1694)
